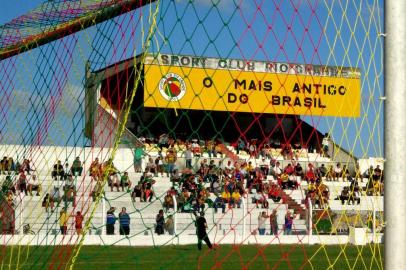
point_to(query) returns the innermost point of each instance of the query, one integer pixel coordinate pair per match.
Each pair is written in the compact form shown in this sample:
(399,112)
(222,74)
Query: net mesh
(193,100)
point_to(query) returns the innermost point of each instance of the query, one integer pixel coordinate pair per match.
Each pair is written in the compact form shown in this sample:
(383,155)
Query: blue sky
(258,30)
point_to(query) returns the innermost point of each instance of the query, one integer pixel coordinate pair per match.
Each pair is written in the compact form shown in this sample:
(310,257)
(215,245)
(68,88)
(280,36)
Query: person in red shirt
(79,222)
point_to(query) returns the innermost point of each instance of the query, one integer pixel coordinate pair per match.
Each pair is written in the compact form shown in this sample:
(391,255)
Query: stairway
(293,205)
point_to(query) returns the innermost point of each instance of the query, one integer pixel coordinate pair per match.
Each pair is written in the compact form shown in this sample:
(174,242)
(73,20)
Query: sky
(285,31)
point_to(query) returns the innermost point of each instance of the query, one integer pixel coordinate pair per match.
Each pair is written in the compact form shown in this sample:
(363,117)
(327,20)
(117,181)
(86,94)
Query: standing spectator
(138,156)
(201,226)
(111,220)
(325,145)
(288,223)
(169,225)
(273,219)
(63,221)
(188,157)
(159,166)
(170,161)
(79,222)
(160,221)
(22,183)
(77,167)
(262,218)
(124,219)
(33,184)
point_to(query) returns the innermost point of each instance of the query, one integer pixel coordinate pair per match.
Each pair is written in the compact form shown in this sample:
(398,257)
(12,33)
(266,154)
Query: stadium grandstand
(144,128)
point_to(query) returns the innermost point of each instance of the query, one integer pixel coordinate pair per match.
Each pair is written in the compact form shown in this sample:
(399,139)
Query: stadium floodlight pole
(395,131)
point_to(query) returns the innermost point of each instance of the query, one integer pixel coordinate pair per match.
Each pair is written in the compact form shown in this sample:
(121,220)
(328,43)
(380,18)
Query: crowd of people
(195,186)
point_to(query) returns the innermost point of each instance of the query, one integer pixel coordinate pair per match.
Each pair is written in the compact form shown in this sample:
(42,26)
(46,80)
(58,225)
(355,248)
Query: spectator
(170,160)
(124,219)
(235,199)
(159,165)
(22,183)
(219,203)
(168,202)
(201,226)
(262,218)
(33,184)
(57,171)
(338,172)
(77,167)
(125,182)
(160,221)
(26,167)
(259,198)
(299,171)
(273,219)
(3,165)
(95,170)
(79,222)
(8,185)
(63,221)
(138,156)
(169,225)
(111,220)
(345,195)
(288,223)
(137,192)
(48,202)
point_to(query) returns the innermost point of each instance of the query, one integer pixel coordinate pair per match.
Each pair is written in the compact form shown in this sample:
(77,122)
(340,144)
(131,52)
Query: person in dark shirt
(201,226)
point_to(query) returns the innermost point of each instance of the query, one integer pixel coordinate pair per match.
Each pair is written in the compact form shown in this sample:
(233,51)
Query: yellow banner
(241,91)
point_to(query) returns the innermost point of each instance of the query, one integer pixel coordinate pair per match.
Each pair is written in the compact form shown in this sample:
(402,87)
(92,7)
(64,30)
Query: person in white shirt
(33,184)
(338,171)
(262,219)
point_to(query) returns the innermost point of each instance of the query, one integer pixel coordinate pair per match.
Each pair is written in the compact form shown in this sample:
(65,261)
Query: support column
(395,131)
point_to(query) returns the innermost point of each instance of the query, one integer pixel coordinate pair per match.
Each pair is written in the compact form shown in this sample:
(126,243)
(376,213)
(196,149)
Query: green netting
(205,97)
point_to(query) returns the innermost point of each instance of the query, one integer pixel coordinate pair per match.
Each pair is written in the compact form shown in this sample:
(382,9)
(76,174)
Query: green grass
(188,257)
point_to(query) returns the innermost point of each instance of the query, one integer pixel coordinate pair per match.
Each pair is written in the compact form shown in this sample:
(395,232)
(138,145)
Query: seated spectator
(97,191)
(168,202)
(235,199)
(4,165)
(137,192)
(48,202)
(77,167)
(226,196)
(69,189)
(277,169)
(345,195)
(322,171)
(112,174)
(95,170)
(274,193)
(289,169)
(33,184)
(354,195)
(58,171)
(26,167)
(8,185)
(125,181)
(264,166)
(56,196)
(310,176)
(219,203)
(338,172)
(299,171)
(22,183)
(260,199)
